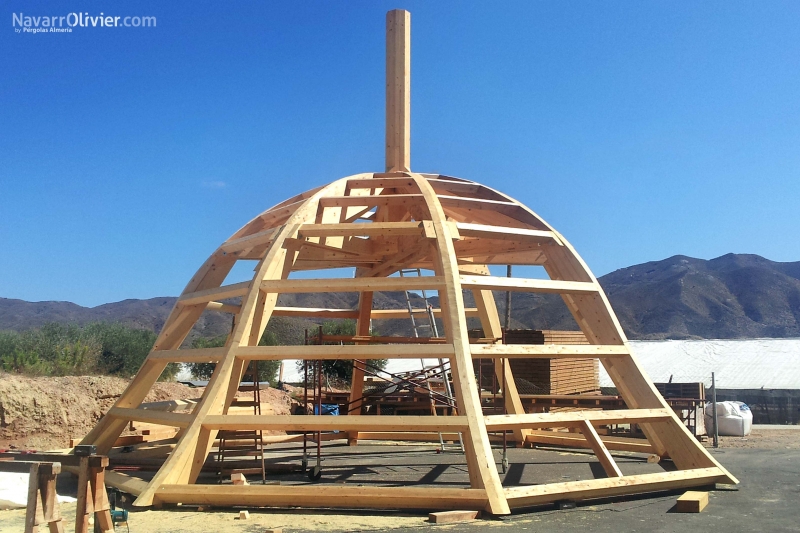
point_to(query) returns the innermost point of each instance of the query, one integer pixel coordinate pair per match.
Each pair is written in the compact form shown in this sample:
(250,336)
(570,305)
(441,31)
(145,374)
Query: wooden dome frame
(380,223)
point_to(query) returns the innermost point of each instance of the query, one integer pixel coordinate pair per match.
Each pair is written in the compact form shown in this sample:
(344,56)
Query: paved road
(768,500)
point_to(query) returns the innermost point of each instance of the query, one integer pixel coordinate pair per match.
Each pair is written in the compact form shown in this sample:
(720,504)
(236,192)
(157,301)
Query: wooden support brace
(611,468)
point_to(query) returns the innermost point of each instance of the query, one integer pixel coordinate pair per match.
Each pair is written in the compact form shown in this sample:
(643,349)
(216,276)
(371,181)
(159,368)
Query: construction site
(466,421)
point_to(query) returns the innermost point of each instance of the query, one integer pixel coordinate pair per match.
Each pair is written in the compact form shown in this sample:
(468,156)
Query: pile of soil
(43,413)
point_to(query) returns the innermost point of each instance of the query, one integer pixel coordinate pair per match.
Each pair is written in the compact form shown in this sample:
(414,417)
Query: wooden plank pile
(553,376)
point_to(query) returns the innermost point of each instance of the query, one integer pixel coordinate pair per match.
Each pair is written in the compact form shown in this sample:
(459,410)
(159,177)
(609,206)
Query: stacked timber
(553,376)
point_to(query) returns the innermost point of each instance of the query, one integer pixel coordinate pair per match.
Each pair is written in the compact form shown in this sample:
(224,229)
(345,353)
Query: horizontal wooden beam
(373,351)
(407,436)
(219,293)
(507,233)
(224,308)
(496,283)
(373,229)
(301,285)
(377,182)
(575,418)
(161,418)
(371,497)
(189,355)
(250,241)
(576,440)
(317,312)
(465,202)
(369,201)
(378,339)
(334,423)
(24,467)
(403,313)
(95,461)
(548,351)
(122,482)
(608,487)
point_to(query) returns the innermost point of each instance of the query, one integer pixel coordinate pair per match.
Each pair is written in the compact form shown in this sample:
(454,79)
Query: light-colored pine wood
(398,90)
(495,283)
(449,517)
(357,379)
(549,351)
(575,418)
(334,423)
(370,351)
(304,285)
(482,469)
(692,501)
(600,450)
(616,486)
(164,418)
(325,496)
(576,440)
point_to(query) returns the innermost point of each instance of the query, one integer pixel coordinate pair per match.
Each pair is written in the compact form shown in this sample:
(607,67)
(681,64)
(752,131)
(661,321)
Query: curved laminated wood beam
(480,460)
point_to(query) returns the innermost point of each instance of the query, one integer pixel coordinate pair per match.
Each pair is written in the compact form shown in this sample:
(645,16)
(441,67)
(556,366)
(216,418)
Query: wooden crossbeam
(318,312)
(193,355)
(352,284)
(599,449)
(548,351)
(324,496)
(403,313)
(496,283)
(223,308)
(506,233)
(367,351)
(398,90)
(219,293)
(372,229)
(465,202)
(162,418)
(616,486)
(575,418)
(382,314)
(382,182)
(369,201)
(249,241)
(576,440)
(334,423)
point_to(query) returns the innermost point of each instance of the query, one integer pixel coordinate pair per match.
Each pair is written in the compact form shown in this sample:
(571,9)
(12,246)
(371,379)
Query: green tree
(58,349)
(341,369)
(267,370)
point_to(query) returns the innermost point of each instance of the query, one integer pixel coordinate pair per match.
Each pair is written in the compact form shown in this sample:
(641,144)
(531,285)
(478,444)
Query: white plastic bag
(733,419)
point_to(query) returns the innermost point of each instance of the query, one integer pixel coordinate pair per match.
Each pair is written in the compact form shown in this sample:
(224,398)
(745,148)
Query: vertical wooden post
(398,91)
(357,381)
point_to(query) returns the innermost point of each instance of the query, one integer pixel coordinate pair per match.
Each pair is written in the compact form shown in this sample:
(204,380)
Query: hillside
(727,297)
(680,297)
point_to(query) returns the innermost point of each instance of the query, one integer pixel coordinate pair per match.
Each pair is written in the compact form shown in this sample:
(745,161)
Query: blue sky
(640,130)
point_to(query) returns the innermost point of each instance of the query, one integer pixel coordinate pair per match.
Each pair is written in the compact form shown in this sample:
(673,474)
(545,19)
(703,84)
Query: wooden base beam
(617,486)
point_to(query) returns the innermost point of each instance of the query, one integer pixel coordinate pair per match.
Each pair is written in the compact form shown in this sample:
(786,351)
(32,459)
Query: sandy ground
(765,438)
(192,521)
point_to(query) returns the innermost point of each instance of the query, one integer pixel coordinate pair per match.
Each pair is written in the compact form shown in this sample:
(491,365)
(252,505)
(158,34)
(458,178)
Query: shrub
(98,348)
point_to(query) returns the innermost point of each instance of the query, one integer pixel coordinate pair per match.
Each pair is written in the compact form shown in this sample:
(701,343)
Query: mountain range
(732,296)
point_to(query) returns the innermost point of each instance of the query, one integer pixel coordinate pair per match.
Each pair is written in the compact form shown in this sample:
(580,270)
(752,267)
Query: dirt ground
(765,438)
(45,412)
